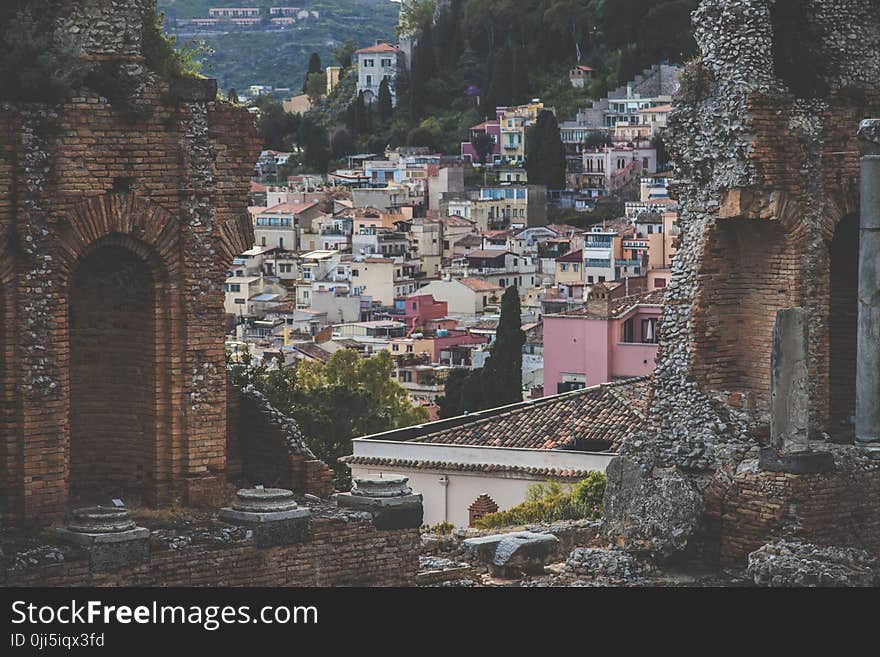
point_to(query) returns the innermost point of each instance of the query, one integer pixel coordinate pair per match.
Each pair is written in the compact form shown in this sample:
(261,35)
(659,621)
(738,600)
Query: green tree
(502,374)
(314,67)
(316,86)
(545,152)
(483,144)
(315,142)
(385,105)
(341,143)
(450,404)
(344,54)
(278,129)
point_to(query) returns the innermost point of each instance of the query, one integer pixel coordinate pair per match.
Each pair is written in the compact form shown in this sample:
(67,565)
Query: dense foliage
(41,63)
(267,55)
(347,397)
(499,381)
(545,156)
(552,502)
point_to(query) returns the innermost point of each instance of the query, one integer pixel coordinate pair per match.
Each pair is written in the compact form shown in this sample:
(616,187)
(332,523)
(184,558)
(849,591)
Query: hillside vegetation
(271,56)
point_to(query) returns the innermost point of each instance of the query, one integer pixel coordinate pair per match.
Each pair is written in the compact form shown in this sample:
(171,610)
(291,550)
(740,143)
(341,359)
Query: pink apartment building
(493,128)
(607,339)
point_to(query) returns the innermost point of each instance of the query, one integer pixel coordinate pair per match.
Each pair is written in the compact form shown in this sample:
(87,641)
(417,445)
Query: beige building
(464,296)
(383,279)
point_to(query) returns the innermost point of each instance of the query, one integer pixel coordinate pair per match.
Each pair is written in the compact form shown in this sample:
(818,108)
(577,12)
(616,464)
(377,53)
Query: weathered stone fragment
(785,563)
(511,555)
(789,393)
(651,513)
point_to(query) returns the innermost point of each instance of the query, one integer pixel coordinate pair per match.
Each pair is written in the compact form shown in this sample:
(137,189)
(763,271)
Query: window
(415,305)
(240,302)
(305,295)
(601,279)
(628,330)
(280,242)
(645,163)
(234,287)
(386,63)
(659,283)
(649,330)
(589,279)
(369,80)
(369,63)
(263,240)
(395,347)
(576,267)
(564,266)
(355,272)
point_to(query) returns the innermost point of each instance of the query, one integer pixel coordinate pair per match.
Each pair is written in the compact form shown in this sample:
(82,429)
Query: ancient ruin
(118,221)
(765,137)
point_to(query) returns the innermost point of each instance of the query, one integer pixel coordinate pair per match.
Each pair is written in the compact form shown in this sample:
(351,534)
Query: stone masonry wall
(763,136)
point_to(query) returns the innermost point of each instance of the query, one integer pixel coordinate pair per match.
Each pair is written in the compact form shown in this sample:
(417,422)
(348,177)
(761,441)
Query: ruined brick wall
(337,554)
(763,136)
(166,185)
(269,448)
(748,508)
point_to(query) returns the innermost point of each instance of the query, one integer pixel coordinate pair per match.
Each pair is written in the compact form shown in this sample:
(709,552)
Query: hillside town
(469,308)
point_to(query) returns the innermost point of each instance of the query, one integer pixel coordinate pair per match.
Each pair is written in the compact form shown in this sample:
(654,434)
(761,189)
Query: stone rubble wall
(763,178)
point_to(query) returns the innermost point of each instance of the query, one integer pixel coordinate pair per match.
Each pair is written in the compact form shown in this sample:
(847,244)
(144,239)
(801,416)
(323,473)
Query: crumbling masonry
(764,136)
(117,226)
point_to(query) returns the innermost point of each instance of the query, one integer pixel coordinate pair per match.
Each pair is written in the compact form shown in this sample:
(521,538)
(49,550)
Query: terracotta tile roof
(659,108)
(602,415)
(289,208)
(313,351)
(543,473)
(623,304)
(572,256)
(479,285)
(378,48)
(487,253)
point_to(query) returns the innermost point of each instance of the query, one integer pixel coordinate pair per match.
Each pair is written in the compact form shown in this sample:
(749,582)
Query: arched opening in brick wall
(480,507)
(842,325)
(751,269)
(113,392)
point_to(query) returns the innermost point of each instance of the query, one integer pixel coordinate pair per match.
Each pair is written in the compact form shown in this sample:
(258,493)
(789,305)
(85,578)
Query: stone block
(510,555)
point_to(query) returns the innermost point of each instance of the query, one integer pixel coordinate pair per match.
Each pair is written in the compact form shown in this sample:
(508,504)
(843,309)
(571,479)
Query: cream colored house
(467,466)
(464,296)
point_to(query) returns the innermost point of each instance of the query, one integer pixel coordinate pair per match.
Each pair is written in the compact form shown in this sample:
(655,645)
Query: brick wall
(750,508)
(170,188)
(113,395)
(336,555)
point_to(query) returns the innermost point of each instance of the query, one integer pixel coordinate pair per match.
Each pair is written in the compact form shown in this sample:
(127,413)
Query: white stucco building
(487,460)
(376,63)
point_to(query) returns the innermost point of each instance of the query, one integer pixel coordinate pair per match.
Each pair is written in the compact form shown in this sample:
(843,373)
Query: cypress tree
(386,106)
(545,152)
(314,67)
(502,374)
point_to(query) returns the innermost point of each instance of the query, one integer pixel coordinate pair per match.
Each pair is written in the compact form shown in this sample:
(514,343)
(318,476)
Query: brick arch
(751,267)
(136,449)
(480,507)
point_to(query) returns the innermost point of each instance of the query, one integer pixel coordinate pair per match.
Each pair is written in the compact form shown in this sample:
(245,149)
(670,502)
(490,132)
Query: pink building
(492,128)
(421,308)
(606,340)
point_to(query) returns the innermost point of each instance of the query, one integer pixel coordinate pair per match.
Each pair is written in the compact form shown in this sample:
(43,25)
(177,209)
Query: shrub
(551,502)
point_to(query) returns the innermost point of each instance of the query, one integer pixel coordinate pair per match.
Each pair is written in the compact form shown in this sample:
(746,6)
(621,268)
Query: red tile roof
(479,285)
(543,473)
(379,48)
(595,418)
(572,256)
(289,208)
